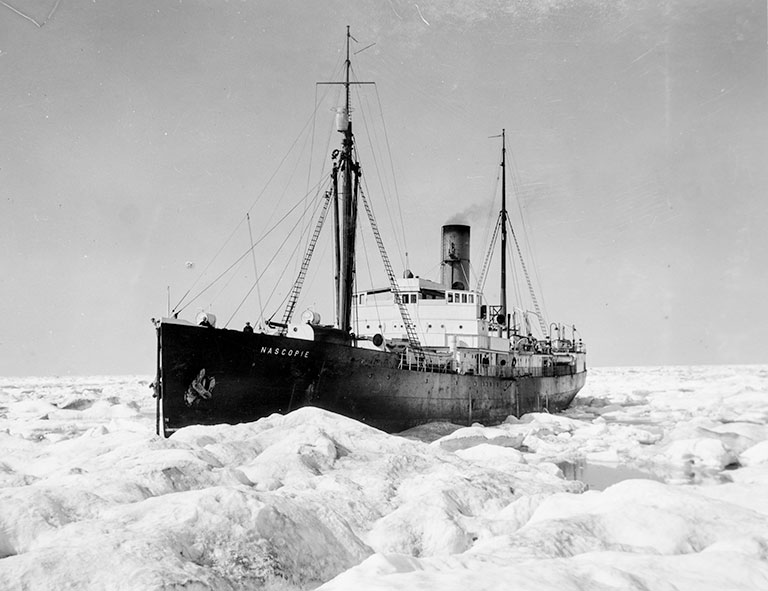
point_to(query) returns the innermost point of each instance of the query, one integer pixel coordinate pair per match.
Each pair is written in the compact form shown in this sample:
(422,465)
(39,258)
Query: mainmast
(503,220)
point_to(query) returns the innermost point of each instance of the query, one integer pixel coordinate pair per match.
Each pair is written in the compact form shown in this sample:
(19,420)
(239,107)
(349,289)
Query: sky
(136,134)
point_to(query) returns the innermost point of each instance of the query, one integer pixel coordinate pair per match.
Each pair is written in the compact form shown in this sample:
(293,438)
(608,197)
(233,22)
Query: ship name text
(284,352)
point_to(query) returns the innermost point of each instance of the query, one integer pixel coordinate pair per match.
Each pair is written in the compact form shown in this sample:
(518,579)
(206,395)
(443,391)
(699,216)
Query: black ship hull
(211,376)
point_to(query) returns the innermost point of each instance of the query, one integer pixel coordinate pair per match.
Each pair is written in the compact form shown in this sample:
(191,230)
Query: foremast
(346,192)
(346,176)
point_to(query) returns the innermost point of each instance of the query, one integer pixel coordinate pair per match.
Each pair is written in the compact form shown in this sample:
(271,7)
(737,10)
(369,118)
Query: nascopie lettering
(284,352)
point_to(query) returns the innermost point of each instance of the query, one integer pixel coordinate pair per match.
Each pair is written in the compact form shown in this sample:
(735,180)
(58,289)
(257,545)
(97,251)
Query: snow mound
(91,498)
(296,498)
(637,534)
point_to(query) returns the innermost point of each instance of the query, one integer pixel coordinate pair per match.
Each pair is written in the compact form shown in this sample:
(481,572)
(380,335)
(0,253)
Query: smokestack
(455,256)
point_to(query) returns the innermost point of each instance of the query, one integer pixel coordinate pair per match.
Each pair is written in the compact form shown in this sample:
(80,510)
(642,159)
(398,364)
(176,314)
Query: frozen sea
(91,498)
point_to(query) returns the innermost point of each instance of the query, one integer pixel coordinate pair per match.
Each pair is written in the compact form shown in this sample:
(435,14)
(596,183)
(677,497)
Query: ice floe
(91,498)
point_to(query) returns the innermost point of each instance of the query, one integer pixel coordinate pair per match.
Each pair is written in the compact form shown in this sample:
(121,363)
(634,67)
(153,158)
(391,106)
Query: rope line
(279,279)
(178,309)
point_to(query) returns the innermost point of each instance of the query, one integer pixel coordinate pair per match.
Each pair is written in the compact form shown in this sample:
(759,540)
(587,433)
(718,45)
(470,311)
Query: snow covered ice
(90,498)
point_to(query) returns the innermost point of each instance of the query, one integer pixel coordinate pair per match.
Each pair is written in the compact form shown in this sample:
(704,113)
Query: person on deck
(247,327)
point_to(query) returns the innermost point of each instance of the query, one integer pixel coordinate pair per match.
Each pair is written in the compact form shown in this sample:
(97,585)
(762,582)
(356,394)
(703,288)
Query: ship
(409,352)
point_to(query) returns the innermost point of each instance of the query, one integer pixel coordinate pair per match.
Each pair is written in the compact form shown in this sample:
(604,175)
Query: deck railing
(415,360)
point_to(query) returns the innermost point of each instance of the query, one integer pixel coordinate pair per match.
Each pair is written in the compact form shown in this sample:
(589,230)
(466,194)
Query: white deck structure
(455,322)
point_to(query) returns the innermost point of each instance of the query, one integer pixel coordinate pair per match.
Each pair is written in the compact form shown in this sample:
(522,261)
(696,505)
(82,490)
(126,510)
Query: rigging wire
(312,277)
(176,309)
(408,324)
(367,259)
(489,256)
(257,276)
(411,85)
(240,258)
(255,272)
(394,176)
(357,287)
(372,136)
(514,271)
(294,254)
(337,69)
(493,216)
(298,283)
(282,274)
(224,287)
(305,220)
(494,236)
(526,232)
(531,290)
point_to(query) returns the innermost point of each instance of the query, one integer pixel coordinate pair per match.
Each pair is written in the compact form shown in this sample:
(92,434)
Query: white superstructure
(455,323)
(443,317)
